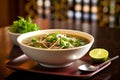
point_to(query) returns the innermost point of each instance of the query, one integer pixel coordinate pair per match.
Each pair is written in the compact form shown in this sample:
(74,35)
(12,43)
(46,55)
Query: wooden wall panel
(4,18)
(10,9)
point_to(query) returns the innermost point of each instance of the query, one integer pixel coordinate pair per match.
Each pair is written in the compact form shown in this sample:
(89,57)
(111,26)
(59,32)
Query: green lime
(99,54)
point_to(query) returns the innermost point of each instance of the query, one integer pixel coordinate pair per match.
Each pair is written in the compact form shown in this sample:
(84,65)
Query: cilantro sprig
(22,25)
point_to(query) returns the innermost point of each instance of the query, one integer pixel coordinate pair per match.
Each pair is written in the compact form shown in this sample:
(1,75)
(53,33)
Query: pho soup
(55,41)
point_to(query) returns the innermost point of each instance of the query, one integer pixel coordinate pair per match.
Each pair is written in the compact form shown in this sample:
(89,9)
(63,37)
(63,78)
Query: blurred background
(104,13)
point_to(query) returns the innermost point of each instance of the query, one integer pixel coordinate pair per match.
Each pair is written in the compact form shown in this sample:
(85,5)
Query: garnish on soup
(55,41)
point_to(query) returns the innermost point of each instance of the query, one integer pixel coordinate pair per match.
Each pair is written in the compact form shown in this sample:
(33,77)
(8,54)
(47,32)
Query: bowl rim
(20,43)
(13,32)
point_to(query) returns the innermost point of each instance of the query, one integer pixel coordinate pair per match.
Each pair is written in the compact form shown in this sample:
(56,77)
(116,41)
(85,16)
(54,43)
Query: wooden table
(107,38)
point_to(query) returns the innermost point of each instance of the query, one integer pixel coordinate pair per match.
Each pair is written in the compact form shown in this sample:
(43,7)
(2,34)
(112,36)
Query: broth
(55,41)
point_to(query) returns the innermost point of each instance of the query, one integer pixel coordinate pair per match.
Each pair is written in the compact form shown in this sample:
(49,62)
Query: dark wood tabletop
(105,37)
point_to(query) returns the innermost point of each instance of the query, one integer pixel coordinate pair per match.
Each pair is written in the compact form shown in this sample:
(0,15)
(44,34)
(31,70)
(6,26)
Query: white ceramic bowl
(55,57)
(13,37)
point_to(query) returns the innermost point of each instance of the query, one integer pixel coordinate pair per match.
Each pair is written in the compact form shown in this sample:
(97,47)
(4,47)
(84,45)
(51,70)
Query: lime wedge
(99,54)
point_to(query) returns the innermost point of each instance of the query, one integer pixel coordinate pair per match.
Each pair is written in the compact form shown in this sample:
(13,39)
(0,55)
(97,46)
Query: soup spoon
(88,67)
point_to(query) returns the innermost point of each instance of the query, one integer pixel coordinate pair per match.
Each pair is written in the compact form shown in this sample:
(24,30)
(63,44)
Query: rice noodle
(54,44)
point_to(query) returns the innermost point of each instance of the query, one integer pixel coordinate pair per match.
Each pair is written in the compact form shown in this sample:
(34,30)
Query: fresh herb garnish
(23,26)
